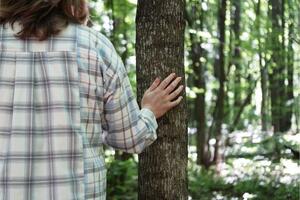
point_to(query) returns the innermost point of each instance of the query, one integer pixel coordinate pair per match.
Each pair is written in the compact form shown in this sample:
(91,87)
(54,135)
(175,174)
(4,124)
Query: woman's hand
(160,96)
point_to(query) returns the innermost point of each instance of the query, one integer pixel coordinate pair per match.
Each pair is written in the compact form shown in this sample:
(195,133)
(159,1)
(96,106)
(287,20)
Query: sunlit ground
(250,161)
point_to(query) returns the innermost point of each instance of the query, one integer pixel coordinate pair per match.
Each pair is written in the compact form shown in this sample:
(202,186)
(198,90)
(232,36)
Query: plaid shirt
(60,101)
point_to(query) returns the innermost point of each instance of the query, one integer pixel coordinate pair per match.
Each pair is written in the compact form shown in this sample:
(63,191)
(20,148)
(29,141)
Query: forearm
(136,135)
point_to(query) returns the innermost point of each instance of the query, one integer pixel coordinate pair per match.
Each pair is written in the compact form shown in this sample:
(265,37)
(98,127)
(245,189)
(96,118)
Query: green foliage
(259,182)
(122,180)
(202,183)
(205,185)
(132,79)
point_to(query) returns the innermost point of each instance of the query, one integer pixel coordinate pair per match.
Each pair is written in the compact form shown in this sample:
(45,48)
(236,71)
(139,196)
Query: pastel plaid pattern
(60,101)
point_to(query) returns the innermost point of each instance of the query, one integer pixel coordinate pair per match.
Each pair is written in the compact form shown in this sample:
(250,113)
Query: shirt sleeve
(126,127)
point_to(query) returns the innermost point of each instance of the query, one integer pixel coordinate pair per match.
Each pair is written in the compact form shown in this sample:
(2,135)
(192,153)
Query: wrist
(150,117)
(149,109)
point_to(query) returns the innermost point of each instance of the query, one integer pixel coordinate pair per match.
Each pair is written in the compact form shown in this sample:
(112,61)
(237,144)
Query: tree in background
(160,29)
(195,17)
(263,69)
(236,58)
(281,117)
(290,60)
(221,76)
(280,72)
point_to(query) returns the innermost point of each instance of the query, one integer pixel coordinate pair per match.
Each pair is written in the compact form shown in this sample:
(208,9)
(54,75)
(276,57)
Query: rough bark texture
(160,51)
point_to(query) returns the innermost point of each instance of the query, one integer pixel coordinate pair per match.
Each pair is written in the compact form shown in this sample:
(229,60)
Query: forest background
(242,73)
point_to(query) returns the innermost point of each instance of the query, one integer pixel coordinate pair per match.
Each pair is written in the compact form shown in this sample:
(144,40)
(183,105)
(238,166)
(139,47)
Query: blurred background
(242,64)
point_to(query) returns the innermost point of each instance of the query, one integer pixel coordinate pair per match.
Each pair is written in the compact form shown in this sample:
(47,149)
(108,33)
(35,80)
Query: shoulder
(94,40)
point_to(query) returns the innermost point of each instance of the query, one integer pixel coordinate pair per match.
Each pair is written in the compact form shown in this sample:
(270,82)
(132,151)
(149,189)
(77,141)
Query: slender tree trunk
(237,54)
(263,72)
(277,75)
(245,102)
(202,137)
(196,53)
(160,51)
(286,121)
(221,77)
(290,64)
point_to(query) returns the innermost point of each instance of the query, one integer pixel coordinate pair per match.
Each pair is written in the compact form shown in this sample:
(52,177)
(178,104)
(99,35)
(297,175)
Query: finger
(173,85)
(166,81)
(176,102)
(154,84)
(175,93)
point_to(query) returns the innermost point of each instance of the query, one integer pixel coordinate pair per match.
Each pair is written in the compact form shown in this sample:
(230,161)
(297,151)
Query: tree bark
(286,121)
(263,73)
(290,64)
(220,66)
(277,75)
(237,54)
(160,51)
(196,52)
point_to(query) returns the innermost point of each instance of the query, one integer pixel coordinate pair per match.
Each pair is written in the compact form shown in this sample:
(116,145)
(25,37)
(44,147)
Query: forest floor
(251,169)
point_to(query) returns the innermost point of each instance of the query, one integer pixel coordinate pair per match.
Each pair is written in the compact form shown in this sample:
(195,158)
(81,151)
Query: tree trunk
(290,64)
(277,71)
(286,121)
(220,65)
(196,52)
(263,73)
(237,55)
(245,102)
(160,51)
(281,120)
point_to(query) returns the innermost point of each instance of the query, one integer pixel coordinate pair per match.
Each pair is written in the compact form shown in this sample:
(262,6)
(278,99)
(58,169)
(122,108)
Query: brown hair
(42,18)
